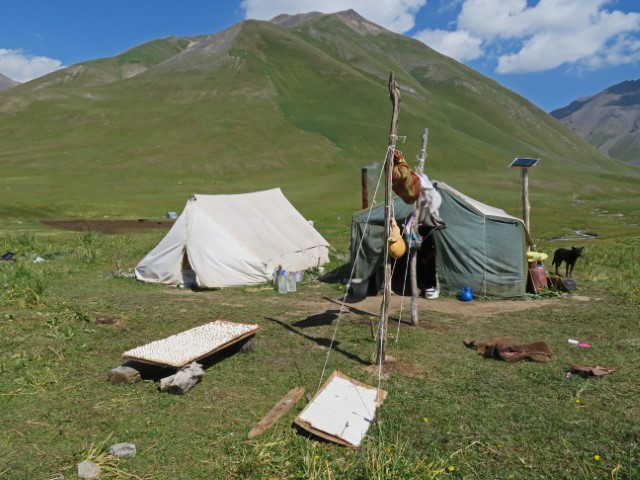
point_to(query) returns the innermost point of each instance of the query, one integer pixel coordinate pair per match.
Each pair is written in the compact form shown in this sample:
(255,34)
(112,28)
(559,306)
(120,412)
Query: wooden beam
(413,254)
(526,208)
(394,95)
(279,409)
(364,182)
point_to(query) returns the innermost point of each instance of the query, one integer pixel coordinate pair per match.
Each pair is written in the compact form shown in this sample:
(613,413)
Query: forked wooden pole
(394,95)
(414,254)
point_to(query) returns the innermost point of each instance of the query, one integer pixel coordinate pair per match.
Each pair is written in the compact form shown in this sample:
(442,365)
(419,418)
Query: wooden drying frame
(381,395)
(196,357)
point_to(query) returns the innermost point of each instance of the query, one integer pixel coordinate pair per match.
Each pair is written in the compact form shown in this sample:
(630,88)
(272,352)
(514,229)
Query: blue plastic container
(466,294)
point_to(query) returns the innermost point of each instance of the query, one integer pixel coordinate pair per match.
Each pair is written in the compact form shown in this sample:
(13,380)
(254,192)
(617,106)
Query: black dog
(568,256)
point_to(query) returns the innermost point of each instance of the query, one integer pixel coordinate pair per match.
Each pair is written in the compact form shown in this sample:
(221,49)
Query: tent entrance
(401,278)
(189,278)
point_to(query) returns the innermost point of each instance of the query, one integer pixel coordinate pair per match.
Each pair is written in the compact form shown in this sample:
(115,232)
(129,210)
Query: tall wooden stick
(364,182)
(413,254)
(526,208)
(394,95)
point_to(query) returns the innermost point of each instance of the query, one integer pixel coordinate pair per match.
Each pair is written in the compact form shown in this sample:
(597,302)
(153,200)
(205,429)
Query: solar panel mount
(524,162)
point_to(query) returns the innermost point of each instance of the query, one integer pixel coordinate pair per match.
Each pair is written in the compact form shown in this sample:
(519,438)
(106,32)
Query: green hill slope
(301,104)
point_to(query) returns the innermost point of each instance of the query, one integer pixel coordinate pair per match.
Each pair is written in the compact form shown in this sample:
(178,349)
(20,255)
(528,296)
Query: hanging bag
(404,182)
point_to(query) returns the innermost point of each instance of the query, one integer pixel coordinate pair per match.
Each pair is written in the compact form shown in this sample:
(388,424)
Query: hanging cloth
(431,201)
(410,233)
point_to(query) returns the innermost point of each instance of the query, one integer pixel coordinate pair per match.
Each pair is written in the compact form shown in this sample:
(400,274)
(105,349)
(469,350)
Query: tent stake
(394,95)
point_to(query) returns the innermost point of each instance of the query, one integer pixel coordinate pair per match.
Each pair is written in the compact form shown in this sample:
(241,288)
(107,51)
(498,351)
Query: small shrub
(90,246)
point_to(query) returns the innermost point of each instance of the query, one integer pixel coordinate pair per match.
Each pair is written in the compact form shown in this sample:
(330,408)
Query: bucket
(359,287)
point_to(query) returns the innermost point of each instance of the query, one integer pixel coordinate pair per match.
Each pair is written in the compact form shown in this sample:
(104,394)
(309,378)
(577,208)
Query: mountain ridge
(6,83)
(609,120)
(258,105)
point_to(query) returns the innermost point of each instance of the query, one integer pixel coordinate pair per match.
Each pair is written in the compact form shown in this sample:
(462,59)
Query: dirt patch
(110,226)
(371,306)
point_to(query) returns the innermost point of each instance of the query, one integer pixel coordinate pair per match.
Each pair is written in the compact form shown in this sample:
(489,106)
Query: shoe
(431,293)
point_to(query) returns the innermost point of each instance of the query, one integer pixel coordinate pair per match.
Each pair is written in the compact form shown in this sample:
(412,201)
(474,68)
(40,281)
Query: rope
(346,290)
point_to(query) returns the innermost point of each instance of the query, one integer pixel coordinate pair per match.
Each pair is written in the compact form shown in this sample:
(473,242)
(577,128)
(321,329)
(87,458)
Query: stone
(124,374)
(87,469)
(123,449)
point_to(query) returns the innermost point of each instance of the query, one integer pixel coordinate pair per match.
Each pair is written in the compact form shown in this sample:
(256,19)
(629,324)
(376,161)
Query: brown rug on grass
(504,348)
(594,371)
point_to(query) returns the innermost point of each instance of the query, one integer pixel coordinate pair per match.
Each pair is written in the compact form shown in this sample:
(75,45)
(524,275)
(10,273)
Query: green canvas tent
(481,246)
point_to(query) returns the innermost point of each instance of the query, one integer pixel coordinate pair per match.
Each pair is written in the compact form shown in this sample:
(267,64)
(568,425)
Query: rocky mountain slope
(6,83)
(609,120)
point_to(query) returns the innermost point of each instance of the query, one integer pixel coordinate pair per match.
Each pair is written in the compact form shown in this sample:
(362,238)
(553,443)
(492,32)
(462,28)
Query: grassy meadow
(303,109)
(449,413)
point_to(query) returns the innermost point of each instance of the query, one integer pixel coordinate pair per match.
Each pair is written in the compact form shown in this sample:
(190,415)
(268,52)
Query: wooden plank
(280,408)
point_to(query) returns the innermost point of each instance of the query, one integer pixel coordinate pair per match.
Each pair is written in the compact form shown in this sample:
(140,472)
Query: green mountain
(300,102)
(609,120)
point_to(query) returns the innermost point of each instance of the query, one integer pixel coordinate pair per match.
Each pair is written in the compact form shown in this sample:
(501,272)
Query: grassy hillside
(303,108)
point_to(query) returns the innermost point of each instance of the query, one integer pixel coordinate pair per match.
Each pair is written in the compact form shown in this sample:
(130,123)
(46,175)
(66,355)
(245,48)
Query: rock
(87,469)
(123,450)
(124,374)
(184,380)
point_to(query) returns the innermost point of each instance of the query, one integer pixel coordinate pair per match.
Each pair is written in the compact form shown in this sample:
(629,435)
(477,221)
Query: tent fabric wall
(235,240)
(482,246)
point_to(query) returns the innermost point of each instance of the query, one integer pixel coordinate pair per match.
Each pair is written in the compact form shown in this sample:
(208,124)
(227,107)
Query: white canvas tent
(234,240)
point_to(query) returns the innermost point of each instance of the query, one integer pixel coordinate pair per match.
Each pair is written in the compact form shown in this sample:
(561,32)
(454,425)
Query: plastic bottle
(291,282)
(282,282)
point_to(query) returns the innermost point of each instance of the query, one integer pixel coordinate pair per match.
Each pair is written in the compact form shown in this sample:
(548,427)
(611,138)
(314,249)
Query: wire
(390,150)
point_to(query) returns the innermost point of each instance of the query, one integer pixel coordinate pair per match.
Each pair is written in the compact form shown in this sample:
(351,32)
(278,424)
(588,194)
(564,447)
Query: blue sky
(549,51)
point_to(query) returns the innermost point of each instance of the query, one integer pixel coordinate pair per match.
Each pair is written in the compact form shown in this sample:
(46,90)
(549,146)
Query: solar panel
(524,162)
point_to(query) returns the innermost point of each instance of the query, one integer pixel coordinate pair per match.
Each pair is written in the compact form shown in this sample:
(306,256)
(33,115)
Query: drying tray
(191,345)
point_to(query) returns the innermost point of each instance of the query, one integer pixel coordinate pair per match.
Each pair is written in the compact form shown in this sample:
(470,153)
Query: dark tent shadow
(322,341)
(319,320)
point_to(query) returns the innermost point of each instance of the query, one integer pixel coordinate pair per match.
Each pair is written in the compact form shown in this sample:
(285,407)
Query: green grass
(65,322)
(303,110)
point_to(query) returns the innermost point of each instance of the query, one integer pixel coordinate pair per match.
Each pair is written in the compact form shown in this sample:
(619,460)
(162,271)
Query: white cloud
(395,15)
(528,36)
(22,67)
(553,32)
(460,44)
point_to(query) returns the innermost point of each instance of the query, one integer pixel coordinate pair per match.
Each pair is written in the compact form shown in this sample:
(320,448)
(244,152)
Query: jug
(466,294)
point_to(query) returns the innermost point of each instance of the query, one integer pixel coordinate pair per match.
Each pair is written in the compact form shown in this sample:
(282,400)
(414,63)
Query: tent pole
(414,254)
(394,95)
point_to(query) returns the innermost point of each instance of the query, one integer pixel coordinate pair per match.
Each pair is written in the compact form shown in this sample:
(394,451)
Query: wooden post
(394,95)
(364,181)
(525,197)
(413,254)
